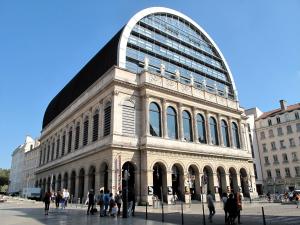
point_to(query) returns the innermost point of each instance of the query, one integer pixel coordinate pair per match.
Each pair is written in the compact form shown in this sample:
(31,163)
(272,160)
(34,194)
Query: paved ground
(15,212)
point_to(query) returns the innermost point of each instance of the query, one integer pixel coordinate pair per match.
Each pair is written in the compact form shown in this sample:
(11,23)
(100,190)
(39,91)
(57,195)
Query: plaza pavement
(17,212)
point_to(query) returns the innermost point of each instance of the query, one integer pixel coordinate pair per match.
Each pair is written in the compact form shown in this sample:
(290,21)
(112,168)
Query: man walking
(211,206)
(91,202)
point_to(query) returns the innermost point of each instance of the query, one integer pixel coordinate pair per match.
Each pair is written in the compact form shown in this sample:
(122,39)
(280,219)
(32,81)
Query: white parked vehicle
(32,193)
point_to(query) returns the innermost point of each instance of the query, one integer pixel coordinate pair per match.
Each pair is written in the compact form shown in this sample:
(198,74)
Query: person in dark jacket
(231,208)
(131,202)
(47,199)
(91,202)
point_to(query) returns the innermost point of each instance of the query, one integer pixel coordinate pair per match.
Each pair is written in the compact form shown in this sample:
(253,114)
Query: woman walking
(47,199)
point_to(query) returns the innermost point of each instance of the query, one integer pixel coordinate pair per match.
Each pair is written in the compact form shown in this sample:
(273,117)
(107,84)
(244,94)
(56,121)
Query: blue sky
(43,44)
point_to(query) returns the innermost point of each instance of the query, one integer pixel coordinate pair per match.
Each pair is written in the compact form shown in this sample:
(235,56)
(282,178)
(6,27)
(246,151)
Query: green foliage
(4,177)
(4,188)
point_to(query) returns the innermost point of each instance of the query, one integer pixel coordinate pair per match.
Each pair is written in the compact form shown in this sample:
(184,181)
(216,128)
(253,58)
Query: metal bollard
(146,210)
(263,214)
(182,222)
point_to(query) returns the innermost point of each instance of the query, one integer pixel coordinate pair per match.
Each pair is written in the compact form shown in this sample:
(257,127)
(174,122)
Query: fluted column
(164,119)
(221,142)
(230,131)
(240,132)
(207,127)
(194,125)
(181,136)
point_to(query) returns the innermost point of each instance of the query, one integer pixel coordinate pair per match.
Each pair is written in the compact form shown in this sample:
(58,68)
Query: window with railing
(267,160)
(289,129)
(294,156)
(269,174)
(278,174)
(271,134)
(282,146)
(262,135)
(285,158)
(297,171)
(287,172)
(264,147)
(292,142)
(273,145)
(279,131)
(275,159)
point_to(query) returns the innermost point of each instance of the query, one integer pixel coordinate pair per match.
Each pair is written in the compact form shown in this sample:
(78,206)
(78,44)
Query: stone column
(76,188)
(101,118)
(208,139)
(149,184)
(230,131)
(146,103)
(169,184)
(194,125)
(90,130)
(227,182)
(164,119)
(240,131)
(216,185)
(97,180)
(202,188)
(116,114)
(181,135)
(221,142)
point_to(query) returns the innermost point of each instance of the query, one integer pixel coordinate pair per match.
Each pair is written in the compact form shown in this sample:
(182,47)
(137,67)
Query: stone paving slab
(15,212)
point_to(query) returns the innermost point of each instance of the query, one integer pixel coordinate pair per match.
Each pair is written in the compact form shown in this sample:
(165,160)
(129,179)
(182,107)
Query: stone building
(158,102)
(17,177)
(278,141)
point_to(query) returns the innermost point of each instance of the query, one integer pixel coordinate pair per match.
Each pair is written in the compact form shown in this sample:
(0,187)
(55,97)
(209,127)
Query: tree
(4,177)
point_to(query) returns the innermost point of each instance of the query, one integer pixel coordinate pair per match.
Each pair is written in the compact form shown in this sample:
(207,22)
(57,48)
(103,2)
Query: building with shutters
(277,139)
(158,101)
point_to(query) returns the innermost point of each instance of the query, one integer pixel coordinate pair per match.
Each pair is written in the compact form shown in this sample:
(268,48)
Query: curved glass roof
(163,36)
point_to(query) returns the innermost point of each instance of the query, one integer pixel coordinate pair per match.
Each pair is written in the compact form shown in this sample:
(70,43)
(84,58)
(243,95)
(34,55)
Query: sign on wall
(150,190)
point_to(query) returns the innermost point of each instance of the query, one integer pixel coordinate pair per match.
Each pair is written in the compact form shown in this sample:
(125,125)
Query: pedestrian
(224,200)
(297,198)
(112,205)
(47,199)
(91,202)
(231,208)
(106,201)
(269,196)
(210,205)
(58,198)
(238,200)
(100,202)
(131,202)
(118,200)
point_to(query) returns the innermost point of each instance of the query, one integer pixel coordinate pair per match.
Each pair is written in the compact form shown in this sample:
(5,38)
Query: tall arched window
(77,132)
(154,119)
(107,118)
(172,123)
(95,125)
(225,135)
(235,135)
(85,131)
(201,129)
(213,131)
(187,126)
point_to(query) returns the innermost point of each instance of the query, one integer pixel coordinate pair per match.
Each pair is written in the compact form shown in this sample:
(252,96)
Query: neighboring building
(278,137)
(31,162)
(253,114)
(158,102)
(17,172)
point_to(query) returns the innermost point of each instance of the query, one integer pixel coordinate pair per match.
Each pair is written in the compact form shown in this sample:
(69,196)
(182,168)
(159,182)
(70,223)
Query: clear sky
(43,44)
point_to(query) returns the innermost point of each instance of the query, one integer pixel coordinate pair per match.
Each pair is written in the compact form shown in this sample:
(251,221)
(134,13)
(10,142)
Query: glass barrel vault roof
(167,37)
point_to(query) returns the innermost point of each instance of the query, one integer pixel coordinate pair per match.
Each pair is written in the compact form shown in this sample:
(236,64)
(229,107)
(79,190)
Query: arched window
(77,132)
(154,120)
(225,135)
(201,129)
(85,131)
(213,131)
(187,126)
(235,135)
(107,118)
(172,123)
(95,125)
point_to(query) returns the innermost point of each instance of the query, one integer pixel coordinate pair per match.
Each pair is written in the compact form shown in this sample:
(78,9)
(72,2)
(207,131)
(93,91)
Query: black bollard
(182,221)
(162,206)
(263,214)
(146,210)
